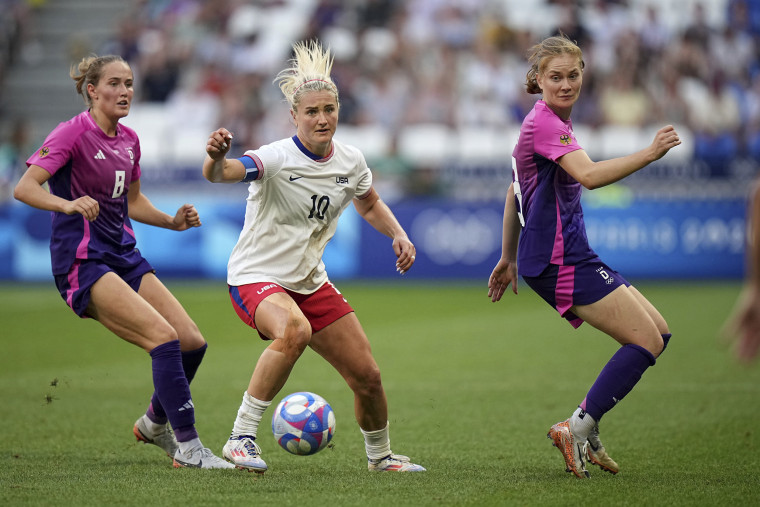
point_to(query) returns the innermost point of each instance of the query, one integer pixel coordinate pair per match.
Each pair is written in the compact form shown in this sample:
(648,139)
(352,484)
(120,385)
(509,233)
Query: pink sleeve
(56,150)
(553,138)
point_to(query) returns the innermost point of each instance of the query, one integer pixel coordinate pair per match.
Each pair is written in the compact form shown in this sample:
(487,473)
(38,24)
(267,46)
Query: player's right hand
(85,206)
(219,143)
(665,139)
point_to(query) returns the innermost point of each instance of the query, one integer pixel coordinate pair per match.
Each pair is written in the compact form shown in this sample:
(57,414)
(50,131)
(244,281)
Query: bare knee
(655,344)
(367,383)
(660,341)
(293,338)
(158,334)
(190,337)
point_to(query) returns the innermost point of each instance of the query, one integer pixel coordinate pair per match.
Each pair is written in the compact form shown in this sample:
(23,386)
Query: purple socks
(173,390)
(618,377)
(191,360)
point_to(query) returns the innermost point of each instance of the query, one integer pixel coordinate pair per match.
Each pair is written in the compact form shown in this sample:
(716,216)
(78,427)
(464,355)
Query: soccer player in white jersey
(91,165)
(299,187)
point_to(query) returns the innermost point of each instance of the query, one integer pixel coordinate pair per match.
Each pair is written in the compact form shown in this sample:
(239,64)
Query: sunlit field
(473,387)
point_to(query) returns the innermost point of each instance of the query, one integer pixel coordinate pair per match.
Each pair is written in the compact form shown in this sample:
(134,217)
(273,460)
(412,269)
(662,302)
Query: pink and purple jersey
(548,199)
(83,160)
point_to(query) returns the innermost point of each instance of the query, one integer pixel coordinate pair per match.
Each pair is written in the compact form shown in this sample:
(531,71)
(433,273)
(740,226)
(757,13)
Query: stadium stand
(436,84)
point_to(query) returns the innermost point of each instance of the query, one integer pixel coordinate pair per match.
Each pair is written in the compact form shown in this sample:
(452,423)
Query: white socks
(377,443)
(249,416)
(581,424)
(190,445)
(153,428)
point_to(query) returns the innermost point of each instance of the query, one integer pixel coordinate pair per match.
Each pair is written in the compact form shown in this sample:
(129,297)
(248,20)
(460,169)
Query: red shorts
(321,308)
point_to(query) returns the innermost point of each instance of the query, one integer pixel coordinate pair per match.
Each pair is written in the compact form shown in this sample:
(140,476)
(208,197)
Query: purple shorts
(76,284)
(581,284)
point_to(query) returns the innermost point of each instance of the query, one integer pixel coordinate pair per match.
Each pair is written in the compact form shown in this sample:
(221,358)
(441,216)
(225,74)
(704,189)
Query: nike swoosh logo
(294,178)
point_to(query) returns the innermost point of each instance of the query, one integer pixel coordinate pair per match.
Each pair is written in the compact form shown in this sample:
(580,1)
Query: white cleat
(202,457)
(164,439)
(244,453)
(394,463)
(597,455)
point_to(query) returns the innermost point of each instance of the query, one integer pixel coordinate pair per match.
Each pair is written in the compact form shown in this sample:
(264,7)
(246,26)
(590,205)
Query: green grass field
(473,388)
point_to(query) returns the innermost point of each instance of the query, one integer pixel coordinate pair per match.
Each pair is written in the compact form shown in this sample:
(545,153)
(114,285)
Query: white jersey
(292,212)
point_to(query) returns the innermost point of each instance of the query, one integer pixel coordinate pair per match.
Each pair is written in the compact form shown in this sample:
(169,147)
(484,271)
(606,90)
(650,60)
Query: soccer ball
(303,423)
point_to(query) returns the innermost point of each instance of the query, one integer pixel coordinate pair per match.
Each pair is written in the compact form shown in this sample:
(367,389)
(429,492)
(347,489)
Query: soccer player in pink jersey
(91,165)
(543,211)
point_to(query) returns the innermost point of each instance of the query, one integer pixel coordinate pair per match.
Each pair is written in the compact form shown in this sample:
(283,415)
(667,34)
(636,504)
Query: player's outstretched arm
(379,215)
(593,175)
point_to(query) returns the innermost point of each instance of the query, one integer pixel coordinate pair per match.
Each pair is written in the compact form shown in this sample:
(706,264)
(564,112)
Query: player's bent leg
(192,344)
(161,298)
(279,319)
(345,346)
(662,325)
(659,320)
(115,305)
(290,334)
(620,315)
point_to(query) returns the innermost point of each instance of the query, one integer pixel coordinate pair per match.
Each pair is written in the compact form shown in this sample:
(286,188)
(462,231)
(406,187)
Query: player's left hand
(187,216)
(503,274)
(406,254)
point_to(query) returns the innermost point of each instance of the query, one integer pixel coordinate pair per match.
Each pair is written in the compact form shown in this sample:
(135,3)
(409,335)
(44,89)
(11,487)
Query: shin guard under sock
(173,390)
(191,361)
(616,379)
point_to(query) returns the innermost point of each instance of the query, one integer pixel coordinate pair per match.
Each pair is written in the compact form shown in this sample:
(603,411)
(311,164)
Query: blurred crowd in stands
(460,63)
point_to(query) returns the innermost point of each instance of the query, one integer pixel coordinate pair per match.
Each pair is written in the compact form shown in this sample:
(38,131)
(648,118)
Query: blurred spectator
(653,34)
(744,15)
(698,32)
(571,24)
(623,102)
(668,105)
(14,15)
(13,153)
(716,122)
(453,63)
